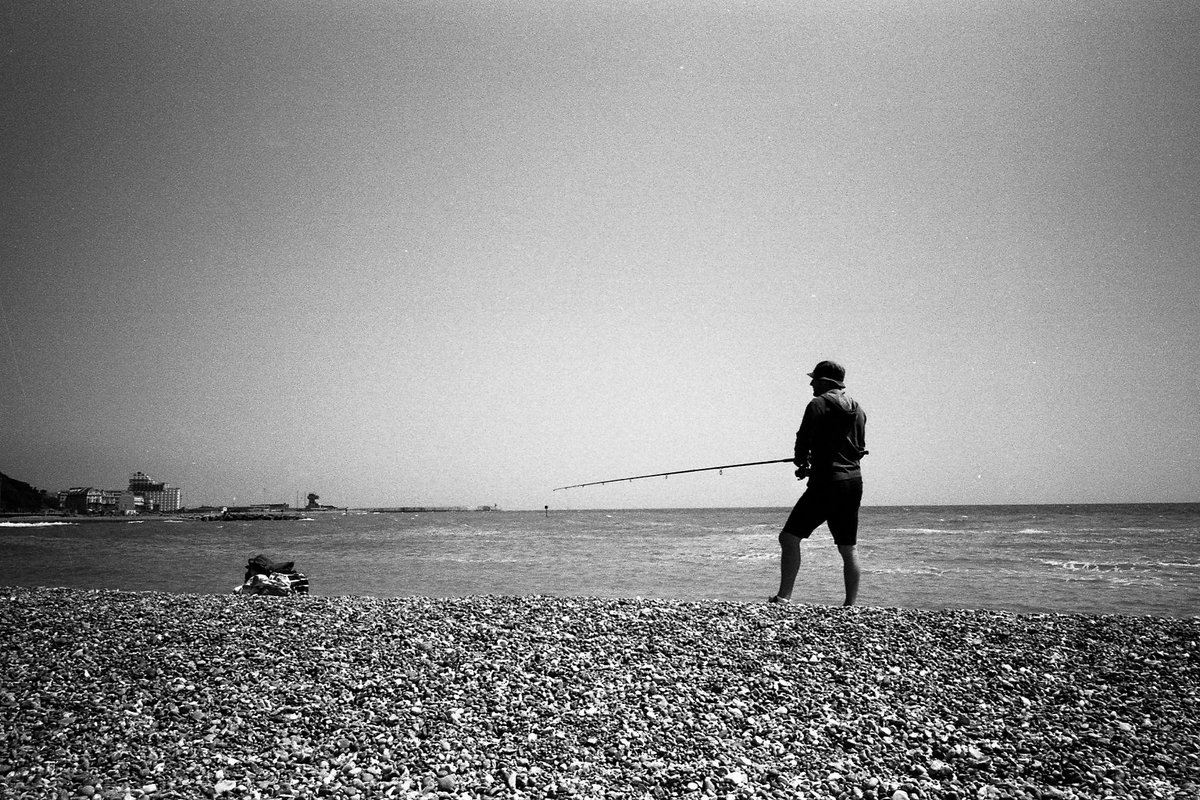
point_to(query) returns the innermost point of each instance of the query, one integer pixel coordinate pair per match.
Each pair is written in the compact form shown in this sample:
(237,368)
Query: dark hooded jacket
(832,438)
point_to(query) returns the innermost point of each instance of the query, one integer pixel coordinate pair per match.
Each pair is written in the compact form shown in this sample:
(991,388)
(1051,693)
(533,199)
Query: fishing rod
(676,472)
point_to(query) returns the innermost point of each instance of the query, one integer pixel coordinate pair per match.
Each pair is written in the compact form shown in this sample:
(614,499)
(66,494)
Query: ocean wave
(752,528)
(1089,566)
(737,556)
(1120,566)
(1123,573)
(917,570)
(1114,580)
(33,524)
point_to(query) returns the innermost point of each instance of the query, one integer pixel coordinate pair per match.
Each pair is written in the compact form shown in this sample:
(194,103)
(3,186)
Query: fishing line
(12,349)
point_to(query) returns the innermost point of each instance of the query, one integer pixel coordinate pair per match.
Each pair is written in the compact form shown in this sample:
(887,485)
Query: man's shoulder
(830,398)
(816,405)
(836,402)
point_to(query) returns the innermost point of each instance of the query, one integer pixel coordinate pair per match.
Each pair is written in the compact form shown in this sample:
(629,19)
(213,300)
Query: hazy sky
(403,253)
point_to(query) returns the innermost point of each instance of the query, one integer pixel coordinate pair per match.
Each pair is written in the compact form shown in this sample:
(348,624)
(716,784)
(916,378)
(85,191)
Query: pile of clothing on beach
(279,578)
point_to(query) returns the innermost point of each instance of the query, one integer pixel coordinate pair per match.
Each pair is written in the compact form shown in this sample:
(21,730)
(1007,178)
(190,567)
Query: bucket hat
(830,371)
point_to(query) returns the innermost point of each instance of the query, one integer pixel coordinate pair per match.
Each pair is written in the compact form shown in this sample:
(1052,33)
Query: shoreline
(234,515)
(149,694)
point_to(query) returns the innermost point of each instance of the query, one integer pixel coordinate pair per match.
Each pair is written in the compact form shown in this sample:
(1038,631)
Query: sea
(1089,559)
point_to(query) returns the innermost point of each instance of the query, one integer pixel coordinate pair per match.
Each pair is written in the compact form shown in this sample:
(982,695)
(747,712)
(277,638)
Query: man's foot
(777,599)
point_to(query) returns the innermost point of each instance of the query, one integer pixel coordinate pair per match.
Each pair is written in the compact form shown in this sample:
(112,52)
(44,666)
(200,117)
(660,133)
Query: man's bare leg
(850,572)
(789,564)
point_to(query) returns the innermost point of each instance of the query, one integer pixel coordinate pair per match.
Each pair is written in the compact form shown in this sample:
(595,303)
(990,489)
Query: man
(831,441)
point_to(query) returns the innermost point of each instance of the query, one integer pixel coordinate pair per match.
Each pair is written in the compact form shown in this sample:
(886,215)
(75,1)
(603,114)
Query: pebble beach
(114,694)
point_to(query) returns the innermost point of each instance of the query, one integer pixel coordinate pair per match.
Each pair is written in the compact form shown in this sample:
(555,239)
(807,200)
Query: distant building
(86,500)
(155,496)
(126,503)
(81,500)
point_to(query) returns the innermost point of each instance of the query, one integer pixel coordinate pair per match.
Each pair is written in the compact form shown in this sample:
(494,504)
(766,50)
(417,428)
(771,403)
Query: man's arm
(804,438)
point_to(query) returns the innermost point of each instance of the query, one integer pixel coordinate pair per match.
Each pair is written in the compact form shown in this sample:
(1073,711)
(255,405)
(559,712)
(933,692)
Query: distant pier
(421,509)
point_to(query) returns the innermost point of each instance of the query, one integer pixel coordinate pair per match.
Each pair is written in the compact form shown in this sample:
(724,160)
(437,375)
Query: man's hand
(801,473)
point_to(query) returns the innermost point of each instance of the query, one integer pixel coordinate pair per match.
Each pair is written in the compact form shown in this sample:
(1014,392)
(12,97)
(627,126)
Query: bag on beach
(264,576)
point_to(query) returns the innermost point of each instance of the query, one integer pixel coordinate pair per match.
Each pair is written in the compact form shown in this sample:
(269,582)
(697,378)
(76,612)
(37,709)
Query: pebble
(115,694)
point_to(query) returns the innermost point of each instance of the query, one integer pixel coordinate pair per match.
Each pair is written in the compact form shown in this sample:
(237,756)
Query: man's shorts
(836,503)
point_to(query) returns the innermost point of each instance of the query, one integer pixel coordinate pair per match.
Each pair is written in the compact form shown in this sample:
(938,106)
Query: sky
(463,253)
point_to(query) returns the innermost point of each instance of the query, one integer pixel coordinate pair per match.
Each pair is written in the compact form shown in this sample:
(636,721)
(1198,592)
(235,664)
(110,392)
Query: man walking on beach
(831,441)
